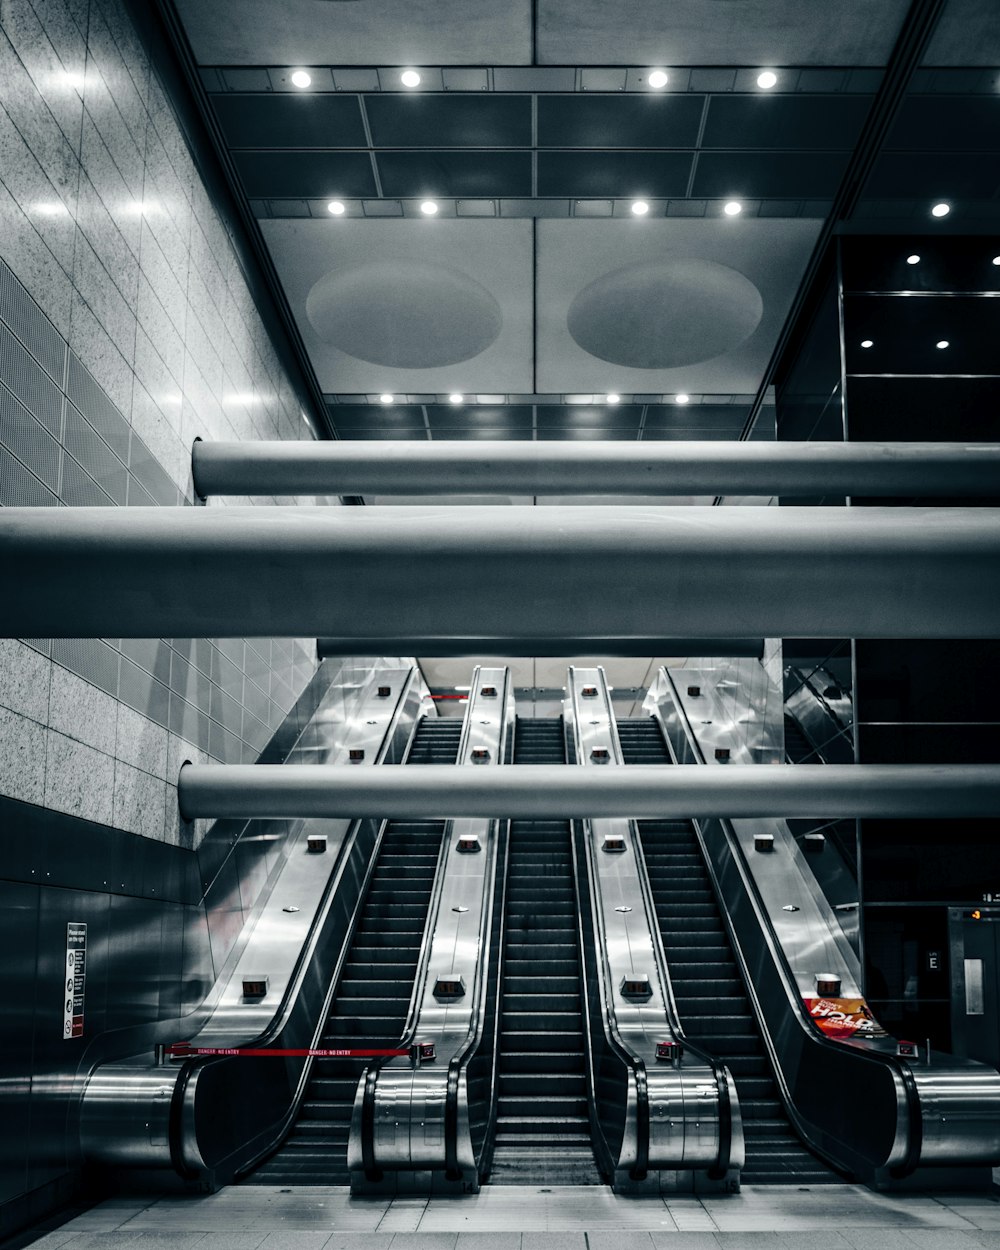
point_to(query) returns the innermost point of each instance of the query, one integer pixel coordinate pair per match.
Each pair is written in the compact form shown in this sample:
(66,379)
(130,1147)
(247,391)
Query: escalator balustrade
(712,1001)
(373,996)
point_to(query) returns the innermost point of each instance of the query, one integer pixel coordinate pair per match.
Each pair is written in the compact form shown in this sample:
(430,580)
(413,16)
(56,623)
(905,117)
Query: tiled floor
(247,1217)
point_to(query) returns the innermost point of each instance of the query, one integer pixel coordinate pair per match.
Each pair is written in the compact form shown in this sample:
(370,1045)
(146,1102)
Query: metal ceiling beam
(475,648)
(402,467)
(588,579)
(555,791)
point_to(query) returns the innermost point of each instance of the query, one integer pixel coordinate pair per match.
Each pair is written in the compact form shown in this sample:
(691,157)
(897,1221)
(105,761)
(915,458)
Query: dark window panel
(923,409)
(803,122)
(306,175)
(624,121)
(947,124)
(458,121)
(943,176)
(290,121)
(775,175)
(584,416)
(945,264)
(441,416)
(702,416)
(415,174)
(506,433)
(585,175)
(903,333)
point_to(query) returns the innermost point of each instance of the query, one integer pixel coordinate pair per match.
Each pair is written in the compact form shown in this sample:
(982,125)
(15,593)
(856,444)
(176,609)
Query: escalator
(798,748)
(543,1127)
(712,1001)
(373,995)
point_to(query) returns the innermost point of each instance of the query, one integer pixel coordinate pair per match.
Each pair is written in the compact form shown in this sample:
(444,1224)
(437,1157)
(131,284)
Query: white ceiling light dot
(867,343)
(614,399)
(767,79)
(640,207)
(301,79)
(410,78)
(913,260)
(456,398)
(941,344)
(682,399)
(337,208)
(386,398)
(732,208)
(429,208)
(941,210)
(996,260)
(657,78)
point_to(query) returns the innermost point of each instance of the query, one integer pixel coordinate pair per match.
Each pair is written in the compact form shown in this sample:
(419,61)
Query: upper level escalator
(543,1130)
(369,1008)
(709,993)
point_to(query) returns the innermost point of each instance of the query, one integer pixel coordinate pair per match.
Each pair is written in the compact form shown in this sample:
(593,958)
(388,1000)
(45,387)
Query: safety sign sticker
(75,978)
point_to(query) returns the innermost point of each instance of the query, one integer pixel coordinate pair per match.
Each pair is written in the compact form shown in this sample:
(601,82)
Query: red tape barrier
(182,1049)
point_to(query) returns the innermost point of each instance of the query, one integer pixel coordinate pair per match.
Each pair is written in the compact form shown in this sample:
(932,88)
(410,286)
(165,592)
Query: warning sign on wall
(75,979)
(844,1018)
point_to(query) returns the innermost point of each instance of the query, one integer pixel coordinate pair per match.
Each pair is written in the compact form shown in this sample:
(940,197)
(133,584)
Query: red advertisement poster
(843,1018)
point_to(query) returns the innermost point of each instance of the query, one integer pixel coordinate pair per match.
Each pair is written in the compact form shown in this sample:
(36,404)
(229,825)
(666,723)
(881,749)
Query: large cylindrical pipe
(553,791)
(590,579)
(558,468)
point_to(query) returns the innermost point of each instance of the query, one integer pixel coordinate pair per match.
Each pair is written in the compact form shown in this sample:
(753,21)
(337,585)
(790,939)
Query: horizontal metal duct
(477,648)
(606,468)
(586,581)
(561,792)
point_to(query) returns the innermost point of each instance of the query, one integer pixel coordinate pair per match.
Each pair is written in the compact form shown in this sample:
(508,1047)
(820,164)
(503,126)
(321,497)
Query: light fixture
(913,260)
(767,79)
(386,398)
(429,208)
(941,344)
(455,398)
(301,79)
(337,207)
(640,207)
(410,78)
(657,78)
(682,399)
(996,260)
(733,208)
(867,343)
(941,210)
(614,399)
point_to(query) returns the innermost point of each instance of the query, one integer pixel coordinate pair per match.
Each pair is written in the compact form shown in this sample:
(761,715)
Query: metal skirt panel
(398,467)
(539,791)
(585,578)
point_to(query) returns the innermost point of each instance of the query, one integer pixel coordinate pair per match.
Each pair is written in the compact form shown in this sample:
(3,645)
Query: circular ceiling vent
(665,314)
(404,314)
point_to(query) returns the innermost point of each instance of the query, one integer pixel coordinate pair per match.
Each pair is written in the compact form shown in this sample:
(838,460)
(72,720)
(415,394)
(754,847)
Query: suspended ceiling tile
(475,416)
(504,433)
(727,32)
(471,121)
(624,418)
(948,124)
(290,121)
(625,121)
(450,173)
(704,416)
(377,32)
(406,290)
(306,175)
(956,177)
(597,174)
(768,175)
(784,121)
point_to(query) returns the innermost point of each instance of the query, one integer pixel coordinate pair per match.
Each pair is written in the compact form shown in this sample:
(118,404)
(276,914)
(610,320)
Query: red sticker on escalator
(843,1018)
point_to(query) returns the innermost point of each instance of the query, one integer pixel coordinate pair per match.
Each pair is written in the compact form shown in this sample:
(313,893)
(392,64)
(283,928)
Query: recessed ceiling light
(387,398)
(657,78)
(867,343)
(733,208)
(337,207)
(941,210)
(913,260)
(682,399)
(410,78)
(455,398)
(996,260)
(767,79)
(429,208)
(301,79)
(614,399)
(941,344)
(640,207)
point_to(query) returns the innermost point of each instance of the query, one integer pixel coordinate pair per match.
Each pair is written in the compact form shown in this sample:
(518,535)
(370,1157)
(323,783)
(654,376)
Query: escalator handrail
(900,1069)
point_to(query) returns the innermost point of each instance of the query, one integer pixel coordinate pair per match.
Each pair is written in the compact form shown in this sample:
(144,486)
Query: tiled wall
(127,328)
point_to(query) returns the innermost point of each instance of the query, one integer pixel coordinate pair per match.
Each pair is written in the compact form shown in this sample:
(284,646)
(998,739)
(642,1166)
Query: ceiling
(534,291)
